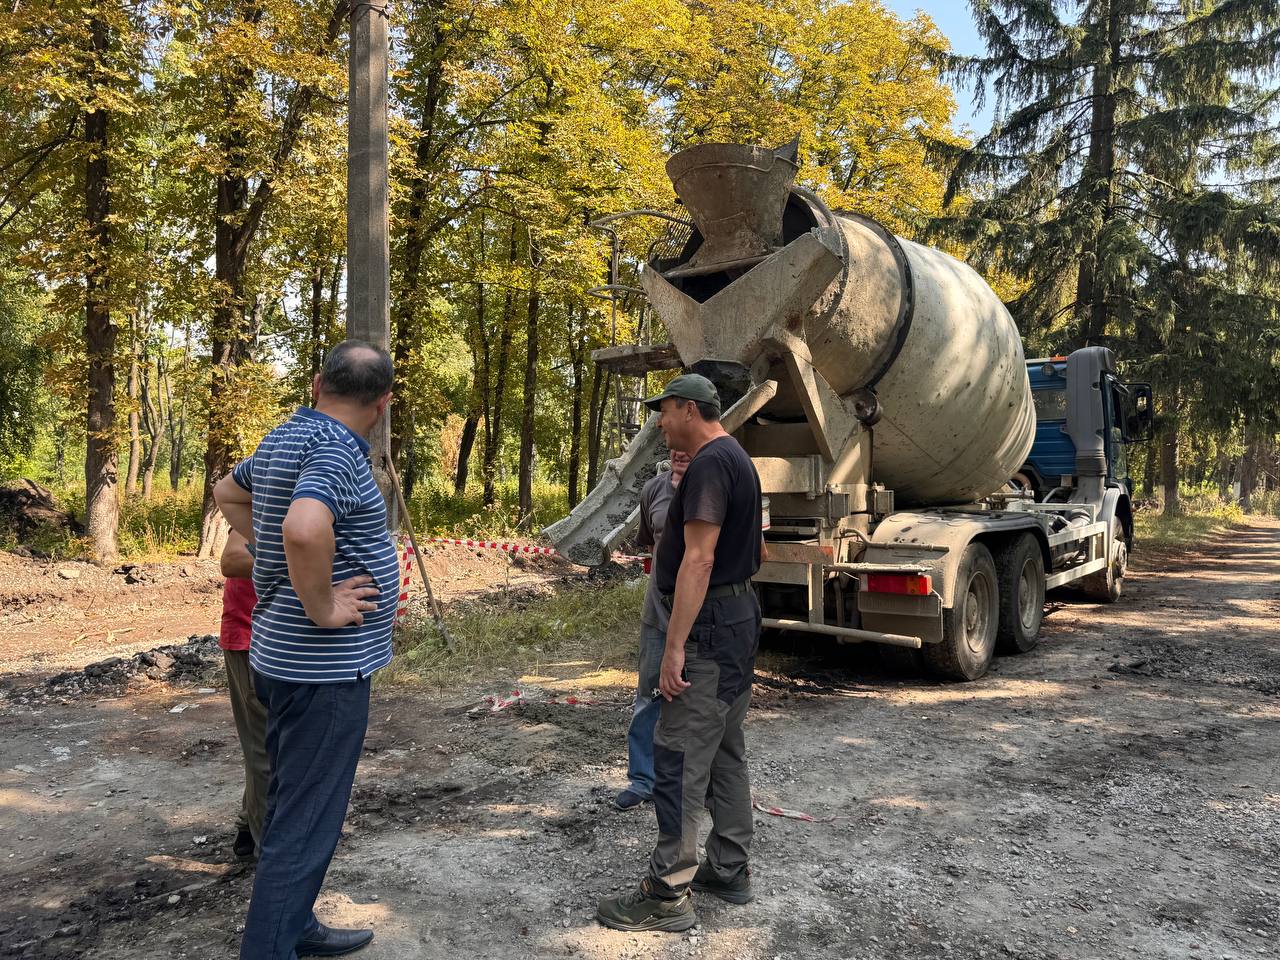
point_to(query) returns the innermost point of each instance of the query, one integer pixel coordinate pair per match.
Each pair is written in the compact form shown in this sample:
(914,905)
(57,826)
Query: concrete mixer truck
(922,495)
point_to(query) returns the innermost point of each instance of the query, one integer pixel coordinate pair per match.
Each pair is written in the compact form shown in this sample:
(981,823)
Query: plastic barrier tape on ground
(792,814)
(509,546)
(497,545)
(406,550)
(495,702)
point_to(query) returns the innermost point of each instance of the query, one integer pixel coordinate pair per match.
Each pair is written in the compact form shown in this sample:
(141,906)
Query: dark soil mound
(25,507)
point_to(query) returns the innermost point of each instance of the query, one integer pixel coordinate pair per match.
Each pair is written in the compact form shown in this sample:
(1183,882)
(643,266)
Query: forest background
(172,194)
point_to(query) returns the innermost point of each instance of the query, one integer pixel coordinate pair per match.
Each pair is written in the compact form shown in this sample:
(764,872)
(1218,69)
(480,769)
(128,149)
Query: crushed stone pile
(198,661)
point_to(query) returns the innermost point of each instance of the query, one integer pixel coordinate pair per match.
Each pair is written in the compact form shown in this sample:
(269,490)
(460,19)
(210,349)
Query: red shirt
(238,600)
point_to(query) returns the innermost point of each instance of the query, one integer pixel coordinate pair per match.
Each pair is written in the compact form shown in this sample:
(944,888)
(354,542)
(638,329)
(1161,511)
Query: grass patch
(1201,517)
(163,527)
(159,529)
(439,512)
(594,621)
(50,539)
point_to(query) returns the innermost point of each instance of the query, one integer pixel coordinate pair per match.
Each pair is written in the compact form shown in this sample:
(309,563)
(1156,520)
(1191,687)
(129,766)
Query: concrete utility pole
(368,249)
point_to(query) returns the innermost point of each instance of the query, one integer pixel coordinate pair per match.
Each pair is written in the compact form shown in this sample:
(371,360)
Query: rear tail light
(910,584)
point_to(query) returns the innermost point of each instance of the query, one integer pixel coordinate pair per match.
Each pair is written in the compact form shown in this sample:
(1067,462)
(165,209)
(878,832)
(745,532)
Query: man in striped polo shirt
(327,579)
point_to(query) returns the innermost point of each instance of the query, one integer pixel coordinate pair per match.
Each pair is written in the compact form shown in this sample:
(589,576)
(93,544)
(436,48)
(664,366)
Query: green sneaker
(640,910)
(737,890)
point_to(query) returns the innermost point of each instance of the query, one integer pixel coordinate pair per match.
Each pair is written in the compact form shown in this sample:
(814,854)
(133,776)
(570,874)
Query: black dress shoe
(243,846)
(332,942)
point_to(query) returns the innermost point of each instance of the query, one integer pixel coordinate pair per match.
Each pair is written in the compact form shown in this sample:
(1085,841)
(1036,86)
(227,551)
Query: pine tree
(1086,96)
(1132,192)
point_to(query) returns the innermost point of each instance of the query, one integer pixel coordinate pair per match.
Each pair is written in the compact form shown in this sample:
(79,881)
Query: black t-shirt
(721,487)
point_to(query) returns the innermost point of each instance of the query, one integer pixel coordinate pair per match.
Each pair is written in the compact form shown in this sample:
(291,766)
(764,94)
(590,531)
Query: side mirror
(1139,414)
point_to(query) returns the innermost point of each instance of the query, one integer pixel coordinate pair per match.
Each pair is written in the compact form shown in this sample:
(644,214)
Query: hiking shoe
(737,890)
(640,910)
(243,846)
(628,799)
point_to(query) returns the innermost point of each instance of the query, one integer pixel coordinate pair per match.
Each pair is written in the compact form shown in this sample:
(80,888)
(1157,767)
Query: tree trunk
(135,439)
(331,311)
(1250,464)
(416,235)
(238,215)
(1169,471)
(530,398)
(577,354)
(102,506)
(1097,179)
(593,429)
(465,446)
(177,425)
(317,327)
(226,354)
(152,422)
(410,454)
(1149,472)
(500,384)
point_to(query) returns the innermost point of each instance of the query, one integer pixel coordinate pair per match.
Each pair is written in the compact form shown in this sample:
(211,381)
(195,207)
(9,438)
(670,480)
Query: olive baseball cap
(688,386)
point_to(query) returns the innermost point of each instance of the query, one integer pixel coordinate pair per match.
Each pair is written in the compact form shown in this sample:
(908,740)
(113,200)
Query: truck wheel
(1107,584)
(969,626)
(1020,567)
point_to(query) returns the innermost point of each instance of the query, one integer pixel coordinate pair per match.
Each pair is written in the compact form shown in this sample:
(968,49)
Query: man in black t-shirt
(705,559)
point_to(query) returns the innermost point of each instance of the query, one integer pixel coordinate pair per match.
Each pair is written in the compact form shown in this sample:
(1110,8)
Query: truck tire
(1107,584)
(969,626)
(1020,569)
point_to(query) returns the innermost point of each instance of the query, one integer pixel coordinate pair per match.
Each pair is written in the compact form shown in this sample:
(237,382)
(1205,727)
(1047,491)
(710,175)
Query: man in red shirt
(238,601)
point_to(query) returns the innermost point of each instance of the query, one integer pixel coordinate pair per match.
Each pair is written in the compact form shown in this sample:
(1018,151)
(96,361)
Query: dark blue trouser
(315,732)
(644,714)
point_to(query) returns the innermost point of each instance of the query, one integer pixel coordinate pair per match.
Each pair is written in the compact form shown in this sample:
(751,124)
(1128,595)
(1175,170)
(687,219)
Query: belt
(715,593)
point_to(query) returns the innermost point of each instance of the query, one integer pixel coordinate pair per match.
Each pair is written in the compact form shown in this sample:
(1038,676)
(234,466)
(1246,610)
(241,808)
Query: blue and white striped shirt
(313,455)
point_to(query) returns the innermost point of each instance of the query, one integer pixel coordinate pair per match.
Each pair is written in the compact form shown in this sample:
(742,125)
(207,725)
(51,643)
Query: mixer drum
(916,326)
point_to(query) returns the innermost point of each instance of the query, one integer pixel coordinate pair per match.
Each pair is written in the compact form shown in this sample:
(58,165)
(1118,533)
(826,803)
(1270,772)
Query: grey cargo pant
(699,743)
(251,726)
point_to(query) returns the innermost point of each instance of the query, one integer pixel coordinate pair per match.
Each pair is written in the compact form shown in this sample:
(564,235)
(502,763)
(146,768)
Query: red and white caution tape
(791,814)
(403,604)
(498,702)
(495,702)
(508,546)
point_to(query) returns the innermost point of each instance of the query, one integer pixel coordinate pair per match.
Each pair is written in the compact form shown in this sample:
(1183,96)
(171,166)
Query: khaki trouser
(699,744)
(251,726)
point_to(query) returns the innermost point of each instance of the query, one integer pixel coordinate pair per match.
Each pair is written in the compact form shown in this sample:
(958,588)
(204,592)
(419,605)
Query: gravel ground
(1116,793)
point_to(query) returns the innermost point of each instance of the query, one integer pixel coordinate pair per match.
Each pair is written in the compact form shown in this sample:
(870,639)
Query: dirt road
(1114,794)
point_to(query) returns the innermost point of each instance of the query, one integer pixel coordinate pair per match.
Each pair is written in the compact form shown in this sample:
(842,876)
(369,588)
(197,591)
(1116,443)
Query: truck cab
(1080,396)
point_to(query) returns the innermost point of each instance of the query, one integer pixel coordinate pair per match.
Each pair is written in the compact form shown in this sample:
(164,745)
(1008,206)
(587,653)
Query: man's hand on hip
(350,601)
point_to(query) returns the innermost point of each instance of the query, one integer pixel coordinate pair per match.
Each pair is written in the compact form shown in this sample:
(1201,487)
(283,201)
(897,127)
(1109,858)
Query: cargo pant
(699,744)
(251,726)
